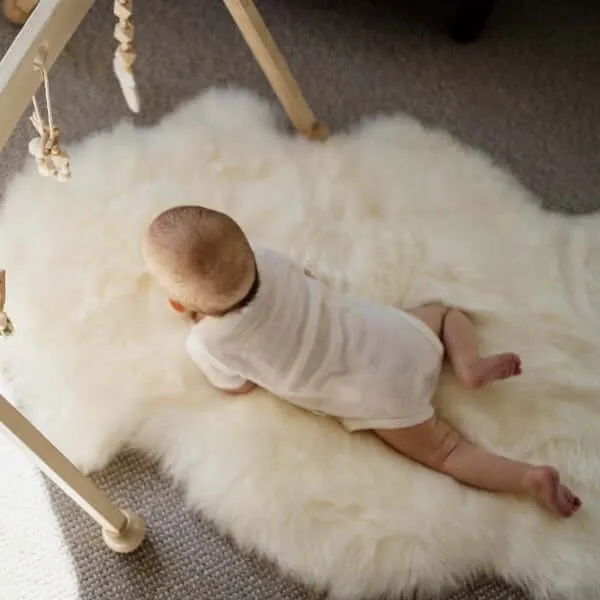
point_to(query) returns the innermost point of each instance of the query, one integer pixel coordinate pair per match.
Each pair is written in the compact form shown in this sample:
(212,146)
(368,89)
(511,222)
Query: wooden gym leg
(267,54)
(122,530)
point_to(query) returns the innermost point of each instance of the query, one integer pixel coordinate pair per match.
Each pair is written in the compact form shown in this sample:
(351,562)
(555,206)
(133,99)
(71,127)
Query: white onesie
(368,365)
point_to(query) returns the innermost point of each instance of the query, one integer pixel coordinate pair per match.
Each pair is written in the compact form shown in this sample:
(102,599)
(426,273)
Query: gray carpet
(528,93)
(184,557)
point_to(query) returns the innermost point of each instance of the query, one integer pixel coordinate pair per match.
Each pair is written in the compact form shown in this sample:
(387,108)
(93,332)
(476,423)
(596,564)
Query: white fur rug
(391,211)
(35,559)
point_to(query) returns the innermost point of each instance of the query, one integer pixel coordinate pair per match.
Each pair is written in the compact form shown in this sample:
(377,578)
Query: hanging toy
(124,54)
(6,326)
(51,159)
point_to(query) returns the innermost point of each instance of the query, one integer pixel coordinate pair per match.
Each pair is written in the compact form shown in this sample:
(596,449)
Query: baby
(262,320)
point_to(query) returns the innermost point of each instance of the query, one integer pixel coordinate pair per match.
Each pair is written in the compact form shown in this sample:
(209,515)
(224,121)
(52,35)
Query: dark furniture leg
(470,19)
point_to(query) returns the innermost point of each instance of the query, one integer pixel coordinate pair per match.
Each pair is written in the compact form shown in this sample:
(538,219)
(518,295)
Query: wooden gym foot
(319,132)
(130,538)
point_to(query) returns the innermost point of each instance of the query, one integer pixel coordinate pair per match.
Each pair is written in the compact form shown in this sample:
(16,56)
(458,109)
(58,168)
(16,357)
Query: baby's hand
(245,388)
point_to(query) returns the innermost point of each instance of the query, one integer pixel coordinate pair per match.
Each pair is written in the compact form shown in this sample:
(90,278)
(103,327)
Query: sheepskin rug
(391,211)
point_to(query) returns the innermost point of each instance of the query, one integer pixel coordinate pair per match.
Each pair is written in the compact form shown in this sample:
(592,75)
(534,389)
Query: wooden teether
(124,54)
(6,326)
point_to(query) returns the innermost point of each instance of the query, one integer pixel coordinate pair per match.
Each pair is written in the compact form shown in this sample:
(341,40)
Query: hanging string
(6,326)
(51,159)
(124,54)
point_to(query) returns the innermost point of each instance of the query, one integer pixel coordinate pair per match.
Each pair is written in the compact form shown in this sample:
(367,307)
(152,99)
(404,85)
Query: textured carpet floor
(527,93)
(187,558)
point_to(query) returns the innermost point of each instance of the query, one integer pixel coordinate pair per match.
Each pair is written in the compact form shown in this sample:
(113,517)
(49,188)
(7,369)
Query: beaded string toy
(51,159)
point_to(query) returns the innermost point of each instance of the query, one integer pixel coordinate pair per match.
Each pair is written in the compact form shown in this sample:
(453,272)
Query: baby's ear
(176,306)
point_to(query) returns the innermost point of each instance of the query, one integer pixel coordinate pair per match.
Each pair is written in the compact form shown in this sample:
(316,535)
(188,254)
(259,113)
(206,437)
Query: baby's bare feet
(543,484)
(484,370)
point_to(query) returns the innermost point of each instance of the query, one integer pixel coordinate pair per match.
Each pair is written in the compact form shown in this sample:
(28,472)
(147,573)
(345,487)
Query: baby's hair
(201,256)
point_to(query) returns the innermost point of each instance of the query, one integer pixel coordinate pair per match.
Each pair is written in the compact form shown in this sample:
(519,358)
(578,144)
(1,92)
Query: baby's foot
(543,484)
(484,370)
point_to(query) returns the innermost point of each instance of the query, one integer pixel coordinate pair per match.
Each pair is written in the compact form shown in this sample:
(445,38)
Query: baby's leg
(438,446)
(459,336)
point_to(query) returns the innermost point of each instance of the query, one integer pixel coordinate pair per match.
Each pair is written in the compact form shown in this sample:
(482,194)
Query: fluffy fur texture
(391,211)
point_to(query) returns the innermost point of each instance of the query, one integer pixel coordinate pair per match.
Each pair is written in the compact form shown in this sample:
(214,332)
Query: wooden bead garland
(124,54)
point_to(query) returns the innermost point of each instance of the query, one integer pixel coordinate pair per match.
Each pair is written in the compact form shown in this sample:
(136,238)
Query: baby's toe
(569,502)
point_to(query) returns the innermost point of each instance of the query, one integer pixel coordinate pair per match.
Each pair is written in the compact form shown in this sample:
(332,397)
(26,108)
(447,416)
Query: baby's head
(202,258)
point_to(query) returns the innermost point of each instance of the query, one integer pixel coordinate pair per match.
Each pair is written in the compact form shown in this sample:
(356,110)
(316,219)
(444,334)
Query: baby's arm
(226,381)
(440,447)
(217,374)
